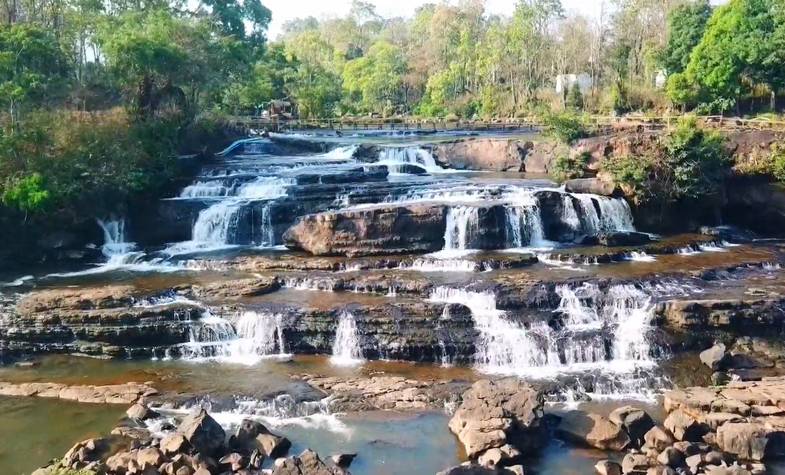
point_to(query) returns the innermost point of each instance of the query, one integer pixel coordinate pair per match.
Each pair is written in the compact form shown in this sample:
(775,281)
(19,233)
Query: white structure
(661,79)
(564,82)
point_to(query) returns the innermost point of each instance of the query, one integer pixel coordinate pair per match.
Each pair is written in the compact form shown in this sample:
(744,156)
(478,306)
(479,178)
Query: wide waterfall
(606,331)
(346,347)
(253,336)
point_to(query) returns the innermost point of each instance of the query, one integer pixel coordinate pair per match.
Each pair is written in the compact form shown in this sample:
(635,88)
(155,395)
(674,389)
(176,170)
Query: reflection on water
(35,430)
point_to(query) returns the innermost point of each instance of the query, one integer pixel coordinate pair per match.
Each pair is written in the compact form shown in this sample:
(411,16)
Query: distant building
(564,82)
(661,79)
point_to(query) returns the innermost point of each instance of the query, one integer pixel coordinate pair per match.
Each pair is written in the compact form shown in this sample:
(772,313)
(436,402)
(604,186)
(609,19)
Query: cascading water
(253,336)
(395,157)
(603,214)
(346,347)
(462,225)
(116,248)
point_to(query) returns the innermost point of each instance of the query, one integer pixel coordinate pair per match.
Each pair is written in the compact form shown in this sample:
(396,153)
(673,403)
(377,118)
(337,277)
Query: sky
(284,10)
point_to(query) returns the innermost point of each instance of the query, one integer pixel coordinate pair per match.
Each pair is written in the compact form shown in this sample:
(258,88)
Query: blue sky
(284,10)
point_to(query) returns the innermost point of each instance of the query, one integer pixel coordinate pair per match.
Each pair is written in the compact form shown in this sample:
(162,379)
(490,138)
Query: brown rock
(636,422)
(307,463)
(606,467)
(272,445)
(683,426)
(140,412)
(658,438)
(202,432)
(174,444)
(150,457)
(592,430)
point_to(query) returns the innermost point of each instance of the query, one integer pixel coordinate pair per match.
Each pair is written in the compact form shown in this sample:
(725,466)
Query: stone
(634,463)
(202,432)
(495,413)
(715,357)
(594,186)
(660,470)
(607,467)
(150,457)
(636,422)
(307,463)
(683,426)
(140,412)
(175,443)
(119,461)
(694,462)
(750,440)
(343,460)
(592,430)
(498,456)
(469,469)
(272,445)
(623,238)
(671,457)
(481,154)
(658,438)
(233,461)
(248,430)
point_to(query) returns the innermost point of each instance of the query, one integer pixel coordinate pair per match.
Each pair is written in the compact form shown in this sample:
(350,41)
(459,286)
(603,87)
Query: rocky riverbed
(421,303)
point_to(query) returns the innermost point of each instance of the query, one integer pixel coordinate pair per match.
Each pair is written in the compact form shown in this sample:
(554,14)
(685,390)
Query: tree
(31,62)
(743,46)
(686,25)
(246,21)
(376,78)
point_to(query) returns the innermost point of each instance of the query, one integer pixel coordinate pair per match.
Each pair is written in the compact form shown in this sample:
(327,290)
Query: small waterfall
(205,189)
(254,335)
(435,264)
(523,221)
(639,256)
(602,214)
(462,226)
(513,222)
(116,248)
(394,157)
(214,225)
(346,347)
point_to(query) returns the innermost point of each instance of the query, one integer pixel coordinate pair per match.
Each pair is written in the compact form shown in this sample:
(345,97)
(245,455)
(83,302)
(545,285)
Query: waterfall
(346,347)
(462,225)
(116,249)
(603,214)
(205,189)
(214,225)
(394,157)
(504,346)
(254,335)
(607,331)
(513,222)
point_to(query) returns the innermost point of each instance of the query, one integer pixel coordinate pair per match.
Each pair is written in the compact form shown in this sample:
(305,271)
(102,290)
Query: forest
(98,96)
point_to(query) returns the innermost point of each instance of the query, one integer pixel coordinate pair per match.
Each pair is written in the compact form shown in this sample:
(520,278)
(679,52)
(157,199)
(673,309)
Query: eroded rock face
(496,413)
(736,315)
(482,154)
(394,229)
(202,432)
(595,186)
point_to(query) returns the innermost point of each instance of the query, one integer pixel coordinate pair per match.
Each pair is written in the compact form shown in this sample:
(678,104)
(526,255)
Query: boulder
(271,445)
(634,463)
(343,460)
(493,414)
(658,438)
(592,430)
(202,431)
(174,444)
(233,461)
(594,186)
(149,457)
(636,422)
(684,427)
(671,457)
(715,357)
(481,154)
(499,456)
(606,467)
(140,412)
(307,463)
(756,440)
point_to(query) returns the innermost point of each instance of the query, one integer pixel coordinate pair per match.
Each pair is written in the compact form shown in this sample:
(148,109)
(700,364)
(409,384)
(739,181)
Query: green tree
(686,24)
(31,63)
(376,78)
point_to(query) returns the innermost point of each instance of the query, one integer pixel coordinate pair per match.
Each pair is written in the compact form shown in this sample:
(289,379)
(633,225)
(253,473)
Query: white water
(591,317)
(115,247)
(434,264)
(462,226)
(253,336)
(346,347)
(395,157)
(639,256)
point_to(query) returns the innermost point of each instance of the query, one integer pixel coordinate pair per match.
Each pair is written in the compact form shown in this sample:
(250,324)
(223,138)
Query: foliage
(632,174)
(375,79)
(574,97)
(567,167)
(698,160)
(567,127)
(686,24)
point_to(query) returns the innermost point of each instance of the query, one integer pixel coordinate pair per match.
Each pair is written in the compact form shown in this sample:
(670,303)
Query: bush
(568,167)
(567,127)
(632,174)
(697,159)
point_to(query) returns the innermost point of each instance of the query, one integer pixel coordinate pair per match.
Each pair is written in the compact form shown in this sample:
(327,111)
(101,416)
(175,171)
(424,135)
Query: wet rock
(636,422)
(481,154)
(271,445)
(247,432)
(236,288)
(202,432)
(501,456)
(715,357)
(607,467)
(592,430)
(307,463)
(469,468)
(140,412)
(496,413)
(623,238)
(343,460)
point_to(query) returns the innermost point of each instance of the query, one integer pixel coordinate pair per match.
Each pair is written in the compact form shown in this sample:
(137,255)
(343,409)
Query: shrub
(567,167)
(567,127)
(632,174)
